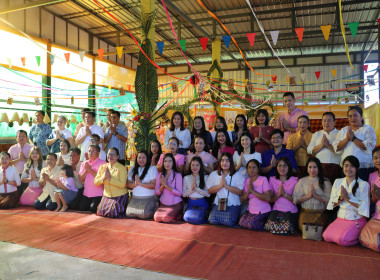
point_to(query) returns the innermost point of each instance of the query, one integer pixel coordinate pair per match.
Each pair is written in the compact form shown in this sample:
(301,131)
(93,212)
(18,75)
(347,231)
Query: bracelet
(353,139)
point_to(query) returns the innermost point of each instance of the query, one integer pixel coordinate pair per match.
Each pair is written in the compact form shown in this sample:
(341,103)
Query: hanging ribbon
(344,34)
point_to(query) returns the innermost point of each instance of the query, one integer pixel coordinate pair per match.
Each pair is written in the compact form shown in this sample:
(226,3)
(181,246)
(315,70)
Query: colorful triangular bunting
(251,38)
(203,41)
(274,78)
(182,43)
(160,47)
(119,51)
(349,70)
(317,74)
(303,76)
(365,67)
(9,60)
(67,57)
(299,32)
(52,57)
(23,61)
(326,31)
(274,35)
(38,59)
(333,72)
(353,27)
(100,53)
(227,40)
(81,55)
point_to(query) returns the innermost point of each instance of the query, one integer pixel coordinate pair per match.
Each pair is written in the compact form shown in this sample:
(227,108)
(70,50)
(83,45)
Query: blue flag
(160,46)
(226,40)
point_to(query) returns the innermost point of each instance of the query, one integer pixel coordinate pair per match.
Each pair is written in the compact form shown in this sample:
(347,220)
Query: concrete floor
(20,262)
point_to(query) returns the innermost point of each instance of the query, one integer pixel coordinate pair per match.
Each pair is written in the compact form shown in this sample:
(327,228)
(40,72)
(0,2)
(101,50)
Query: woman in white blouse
(357,139)
(228,186)
(9,180)
(245,151)
(63,155)
(351,194)
(321,146)
(142,180)
(194,187)
(177,129)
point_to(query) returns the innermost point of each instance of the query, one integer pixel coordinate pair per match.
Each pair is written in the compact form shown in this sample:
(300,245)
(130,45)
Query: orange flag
(333,72)
(326,31)
(23,61)
(100,53)
(67,56)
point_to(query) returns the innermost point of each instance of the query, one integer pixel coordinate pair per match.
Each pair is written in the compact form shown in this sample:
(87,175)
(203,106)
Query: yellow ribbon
(343,33)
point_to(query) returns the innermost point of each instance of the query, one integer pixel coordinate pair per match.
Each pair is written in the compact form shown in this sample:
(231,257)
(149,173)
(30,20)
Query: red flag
(299,32)
(100,53)
(251,38)
(67,56)
(274,78)
(365,67)
(378,20)
(317,74)
(204,41)
(129,87)
(23,61)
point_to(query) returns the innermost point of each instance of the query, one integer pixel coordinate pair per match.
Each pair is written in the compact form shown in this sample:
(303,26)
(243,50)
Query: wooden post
(46,93)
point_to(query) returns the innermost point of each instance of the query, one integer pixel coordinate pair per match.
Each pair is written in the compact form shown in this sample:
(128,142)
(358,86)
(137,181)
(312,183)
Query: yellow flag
(119,51)
(333,72)
(326,31)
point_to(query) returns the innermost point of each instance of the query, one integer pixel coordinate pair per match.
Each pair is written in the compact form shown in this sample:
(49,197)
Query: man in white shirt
(83,137)
(321,147)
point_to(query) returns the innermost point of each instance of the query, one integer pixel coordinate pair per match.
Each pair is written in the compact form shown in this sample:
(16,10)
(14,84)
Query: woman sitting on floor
(169,186)
(370,235)
(283,219)
(179,158)
(142,179)
(228,186)
(64,154)
(351,195)
(194,188)
(113,176)
(312,193)
(259,193)
(31,176)
(9,180)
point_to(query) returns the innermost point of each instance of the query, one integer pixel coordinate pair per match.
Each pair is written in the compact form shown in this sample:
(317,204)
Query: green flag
(183,45)
(353,27)
(38,58)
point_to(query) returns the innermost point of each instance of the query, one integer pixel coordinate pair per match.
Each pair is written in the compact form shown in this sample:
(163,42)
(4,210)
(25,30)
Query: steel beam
(29,5)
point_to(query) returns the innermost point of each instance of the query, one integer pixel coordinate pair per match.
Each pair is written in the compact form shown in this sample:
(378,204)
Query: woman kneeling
(259,193)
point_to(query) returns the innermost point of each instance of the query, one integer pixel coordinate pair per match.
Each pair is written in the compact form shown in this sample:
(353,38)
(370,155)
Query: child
(66,189)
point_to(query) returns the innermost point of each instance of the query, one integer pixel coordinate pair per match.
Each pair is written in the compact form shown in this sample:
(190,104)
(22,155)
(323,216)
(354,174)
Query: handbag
(279,223)
(222,202)
(313,231)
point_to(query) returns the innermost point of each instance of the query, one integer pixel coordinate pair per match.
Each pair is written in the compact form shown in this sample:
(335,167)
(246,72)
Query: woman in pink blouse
(209,161)
(169,186)
(284,210)
(369,236)
(259,193)
(179,158)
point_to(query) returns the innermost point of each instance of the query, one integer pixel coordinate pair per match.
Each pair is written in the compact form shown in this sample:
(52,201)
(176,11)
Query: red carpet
(194,251)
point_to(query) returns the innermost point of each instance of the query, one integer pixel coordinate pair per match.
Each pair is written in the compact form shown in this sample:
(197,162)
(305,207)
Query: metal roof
(192,22)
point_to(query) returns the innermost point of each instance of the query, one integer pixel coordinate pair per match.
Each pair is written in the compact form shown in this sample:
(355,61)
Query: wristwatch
(353,138)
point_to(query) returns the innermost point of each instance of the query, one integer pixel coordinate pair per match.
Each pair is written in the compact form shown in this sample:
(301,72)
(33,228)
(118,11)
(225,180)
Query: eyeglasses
(94,140)
(112,155)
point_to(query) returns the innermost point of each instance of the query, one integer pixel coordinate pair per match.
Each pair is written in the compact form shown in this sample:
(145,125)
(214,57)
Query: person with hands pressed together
(169,187)
(245,151)
(66,190)
(312,192)
(298,143)
(321,146)
(9,180)
(92,193)
(82,123)
(259,193)
(179,158)
(117,135)
(351,194)
(283,184)
(222,145)
(261,131)
(177,129)
(113,176)
(49,174)
(62,133)
(198,150)
(288,120)
(357,139)
(194,187)
(31,176)
(64,154)
(228,186)
(369,235)
(270,157)
(20,151)
(142,180)
(84,134)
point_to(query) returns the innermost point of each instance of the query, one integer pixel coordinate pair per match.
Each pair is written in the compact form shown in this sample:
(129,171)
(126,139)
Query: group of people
(264,178)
